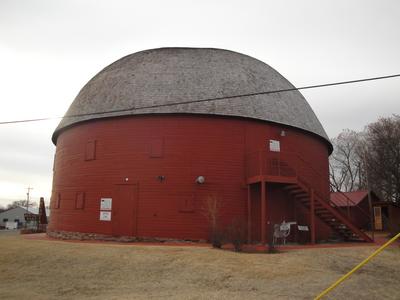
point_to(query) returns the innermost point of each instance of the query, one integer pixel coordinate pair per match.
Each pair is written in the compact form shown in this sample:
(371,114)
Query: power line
(207,99)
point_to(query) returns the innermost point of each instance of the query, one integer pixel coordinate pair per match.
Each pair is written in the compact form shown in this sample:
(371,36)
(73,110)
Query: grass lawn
(42,269)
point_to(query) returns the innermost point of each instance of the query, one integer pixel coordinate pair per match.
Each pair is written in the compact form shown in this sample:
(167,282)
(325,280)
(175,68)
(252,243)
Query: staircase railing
(265,162)
(336,212)
(291,164)
(284,164)
(367,217)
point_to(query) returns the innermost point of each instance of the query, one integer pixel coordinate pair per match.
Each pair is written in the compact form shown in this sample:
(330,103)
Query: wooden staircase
(327,212)
(305,184)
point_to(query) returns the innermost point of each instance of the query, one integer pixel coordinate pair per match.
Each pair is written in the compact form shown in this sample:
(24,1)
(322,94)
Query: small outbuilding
(15,217)
(355,205)
(386,216)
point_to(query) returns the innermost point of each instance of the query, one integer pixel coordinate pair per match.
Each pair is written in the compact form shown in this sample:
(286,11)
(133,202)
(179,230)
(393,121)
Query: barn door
(124,210)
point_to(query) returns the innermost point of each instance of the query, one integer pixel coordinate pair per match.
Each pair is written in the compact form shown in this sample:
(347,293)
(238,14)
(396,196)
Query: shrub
(217,237)
(237,234)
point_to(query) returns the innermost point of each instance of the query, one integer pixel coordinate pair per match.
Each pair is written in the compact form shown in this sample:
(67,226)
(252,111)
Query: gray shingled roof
(171,75)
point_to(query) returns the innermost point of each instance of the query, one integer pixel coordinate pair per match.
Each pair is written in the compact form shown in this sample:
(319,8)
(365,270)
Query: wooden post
(263,213)
(312,216)
(248,214)
(296,232)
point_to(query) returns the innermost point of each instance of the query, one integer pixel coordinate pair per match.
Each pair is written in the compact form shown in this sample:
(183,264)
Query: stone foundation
(81,236)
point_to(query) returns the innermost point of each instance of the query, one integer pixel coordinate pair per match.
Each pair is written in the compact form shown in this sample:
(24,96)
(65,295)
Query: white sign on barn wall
(105,216)
(105,203)
(302,227)
(274,146)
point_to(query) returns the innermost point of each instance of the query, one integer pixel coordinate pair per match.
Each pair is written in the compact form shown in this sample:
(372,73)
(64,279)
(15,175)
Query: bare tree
(373,153)
(345,163)
(382,157)
(21,203)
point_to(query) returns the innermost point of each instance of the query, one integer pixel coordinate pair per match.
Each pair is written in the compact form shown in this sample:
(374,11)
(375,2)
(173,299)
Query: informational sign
(302,227)
(105,216)
(274,146)
(105,203)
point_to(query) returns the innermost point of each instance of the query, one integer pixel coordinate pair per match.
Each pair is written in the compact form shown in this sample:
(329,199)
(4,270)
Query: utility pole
(28,197)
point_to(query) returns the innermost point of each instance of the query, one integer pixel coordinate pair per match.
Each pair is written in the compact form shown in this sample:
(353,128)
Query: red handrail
(290,164)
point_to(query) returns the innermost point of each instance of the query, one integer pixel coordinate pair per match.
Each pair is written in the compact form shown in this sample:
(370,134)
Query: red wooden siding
(178,148)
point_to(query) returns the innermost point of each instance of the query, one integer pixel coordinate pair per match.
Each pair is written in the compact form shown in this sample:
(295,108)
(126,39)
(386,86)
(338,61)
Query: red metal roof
(348,198)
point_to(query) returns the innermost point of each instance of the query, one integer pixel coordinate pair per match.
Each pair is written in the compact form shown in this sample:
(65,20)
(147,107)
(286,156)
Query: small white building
(17,215)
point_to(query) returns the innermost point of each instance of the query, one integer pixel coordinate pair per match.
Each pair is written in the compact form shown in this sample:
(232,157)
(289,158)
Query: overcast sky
(50,49)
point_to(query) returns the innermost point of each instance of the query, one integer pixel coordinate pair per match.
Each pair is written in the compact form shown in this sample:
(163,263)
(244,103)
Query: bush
(237,234)
(40,229)
(217,237)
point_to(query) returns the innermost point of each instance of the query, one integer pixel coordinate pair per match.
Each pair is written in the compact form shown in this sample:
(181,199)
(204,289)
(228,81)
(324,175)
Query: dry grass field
(42,269)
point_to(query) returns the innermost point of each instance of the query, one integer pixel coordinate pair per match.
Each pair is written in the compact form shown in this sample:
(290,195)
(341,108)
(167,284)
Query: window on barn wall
(80,200)
(5,220)
(156,147)
(58,200)
(90,153)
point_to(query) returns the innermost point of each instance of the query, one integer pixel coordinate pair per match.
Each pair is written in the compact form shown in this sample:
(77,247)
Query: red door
(124,210)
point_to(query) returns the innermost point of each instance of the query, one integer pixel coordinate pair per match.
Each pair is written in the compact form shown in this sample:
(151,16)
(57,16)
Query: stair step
(331,222)
(307,200)
(299,194)
(292,188)
(340,227)
(307,203)
(326,213)
(303,198)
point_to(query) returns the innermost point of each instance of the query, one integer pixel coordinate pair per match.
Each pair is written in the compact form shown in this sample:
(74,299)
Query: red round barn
(158,135)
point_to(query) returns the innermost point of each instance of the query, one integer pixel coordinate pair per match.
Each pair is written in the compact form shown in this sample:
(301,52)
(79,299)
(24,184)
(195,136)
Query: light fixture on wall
(283,132)
(200,180)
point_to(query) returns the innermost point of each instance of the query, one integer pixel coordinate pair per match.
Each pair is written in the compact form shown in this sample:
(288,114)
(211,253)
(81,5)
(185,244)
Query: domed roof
(160,81)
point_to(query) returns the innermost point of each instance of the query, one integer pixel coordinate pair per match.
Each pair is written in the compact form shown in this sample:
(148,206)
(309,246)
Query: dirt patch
(44,269)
